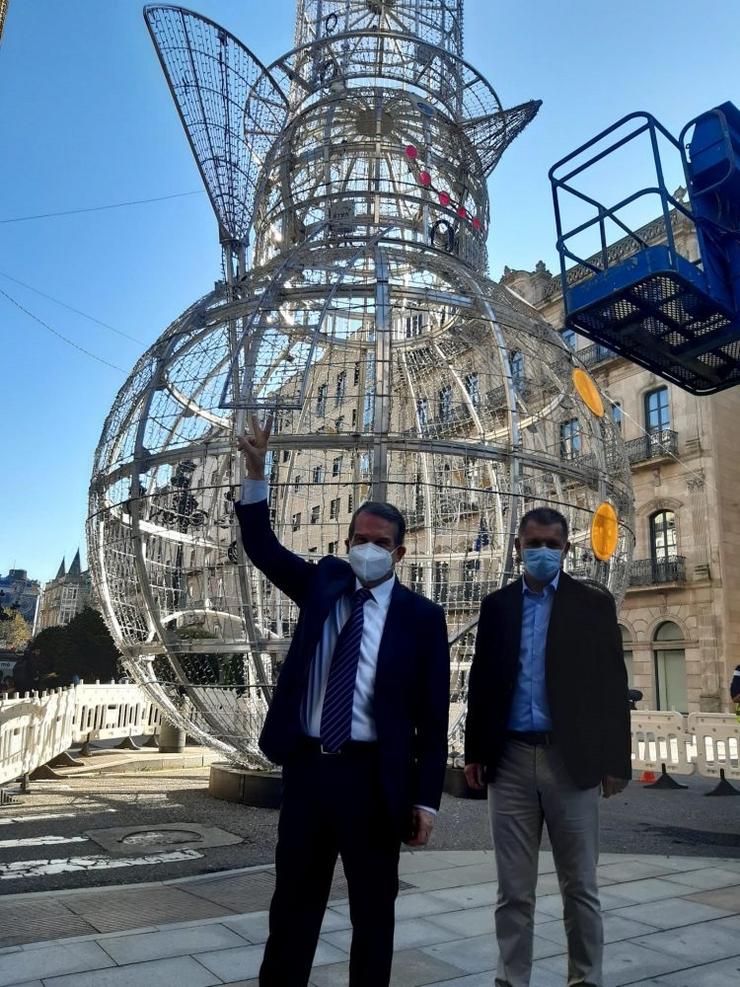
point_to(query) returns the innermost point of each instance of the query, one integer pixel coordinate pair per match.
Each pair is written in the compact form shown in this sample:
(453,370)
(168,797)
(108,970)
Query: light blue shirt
(529,707)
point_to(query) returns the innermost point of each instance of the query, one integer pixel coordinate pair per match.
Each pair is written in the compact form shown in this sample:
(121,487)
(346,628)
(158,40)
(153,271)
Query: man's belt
(535,738)
(349,747)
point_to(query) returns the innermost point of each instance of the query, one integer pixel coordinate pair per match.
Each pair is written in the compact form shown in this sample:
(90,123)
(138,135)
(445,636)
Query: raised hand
(254,447)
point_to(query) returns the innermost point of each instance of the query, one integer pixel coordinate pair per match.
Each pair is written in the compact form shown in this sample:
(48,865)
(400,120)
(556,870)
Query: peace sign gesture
(254,447)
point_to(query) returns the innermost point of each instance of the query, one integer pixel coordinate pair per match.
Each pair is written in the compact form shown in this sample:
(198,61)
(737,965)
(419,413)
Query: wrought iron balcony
(650,572)
(654,445)
(596,353)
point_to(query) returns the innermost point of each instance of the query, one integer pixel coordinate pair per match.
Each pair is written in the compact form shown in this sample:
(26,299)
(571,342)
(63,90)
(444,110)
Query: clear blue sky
(86,119)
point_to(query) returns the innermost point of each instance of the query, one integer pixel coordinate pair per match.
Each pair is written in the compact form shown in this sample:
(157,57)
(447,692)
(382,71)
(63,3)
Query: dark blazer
(585,676)
(412,684)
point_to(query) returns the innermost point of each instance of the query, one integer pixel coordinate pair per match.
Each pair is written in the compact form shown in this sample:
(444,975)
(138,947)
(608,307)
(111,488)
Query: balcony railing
(649,572)
(654,445)
(596,353)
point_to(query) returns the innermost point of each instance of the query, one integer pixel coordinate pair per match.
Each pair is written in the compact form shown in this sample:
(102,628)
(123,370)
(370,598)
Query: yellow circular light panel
(604,532)
(588,391)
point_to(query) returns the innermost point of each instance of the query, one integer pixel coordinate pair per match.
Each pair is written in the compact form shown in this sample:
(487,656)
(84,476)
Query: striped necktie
(336,713)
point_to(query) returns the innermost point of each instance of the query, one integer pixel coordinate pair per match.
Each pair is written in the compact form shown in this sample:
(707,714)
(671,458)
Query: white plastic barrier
(717,744)
(35,728)
(660,738)
(105,712)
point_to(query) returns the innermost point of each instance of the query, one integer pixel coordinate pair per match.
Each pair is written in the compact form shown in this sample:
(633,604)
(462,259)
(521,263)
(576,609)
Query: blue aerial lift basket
(647,301)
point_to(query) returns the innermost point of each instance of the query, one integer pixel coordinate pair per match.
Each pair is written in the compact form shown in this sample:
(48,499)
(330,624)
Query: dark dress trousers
(357,803)
(586,681)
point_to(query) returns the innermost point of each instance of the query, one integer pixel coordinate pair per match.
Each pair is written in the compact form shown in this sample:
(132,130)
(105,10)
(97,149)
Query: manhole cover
(161,837)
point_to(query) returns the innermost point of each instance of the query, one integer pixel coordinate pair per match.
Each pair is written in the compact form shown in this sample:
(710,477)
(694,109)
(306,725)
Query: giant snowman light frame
(349,180)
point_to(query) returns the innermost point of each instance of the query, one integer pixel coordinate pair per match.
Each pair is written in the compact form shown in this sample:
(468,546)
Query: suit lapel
(559,620)
(340,582)
(513,626)
(396,629)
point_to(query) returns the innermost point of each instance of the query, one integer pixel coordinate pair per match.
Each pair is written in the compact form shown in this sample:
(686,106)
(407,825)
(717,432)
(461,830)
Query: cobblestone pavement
(44,842)
(670,921)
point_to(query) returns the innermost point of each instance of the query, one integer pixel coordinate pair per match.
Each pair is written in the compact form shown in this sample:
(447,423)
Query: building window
(669,658)
(350,503)
(341,388)
(627,651)
(657,412)
(321,399)
(422,410)
(445,403)
(414,325)
(364,463)
(333,547)
(318,474)
(517,370)
(339,424)
(441,582)
(286,455)
(316,514)
(336,466)
(296,521)
(354,418)
(356,377)
(569,337)
(297,483)
(472,386)
(663,545)
(617,414)
(368,411)
(417,578)
(570,439)
(334,509)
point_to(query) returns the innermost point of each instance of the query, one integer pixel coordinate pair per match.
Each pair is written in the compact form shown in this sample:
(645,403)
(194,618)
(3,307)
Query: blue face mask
(542,564)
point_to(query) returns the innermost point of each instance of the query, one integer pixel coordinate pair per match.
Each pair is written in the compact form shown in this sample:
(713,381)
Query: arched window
(669,657)
(627,649)
(663,545)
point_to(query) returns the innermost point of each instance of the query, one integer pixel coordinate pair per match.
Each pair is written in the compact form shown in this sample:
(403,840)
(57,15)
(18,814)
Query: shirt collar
(553,584)
(382,592)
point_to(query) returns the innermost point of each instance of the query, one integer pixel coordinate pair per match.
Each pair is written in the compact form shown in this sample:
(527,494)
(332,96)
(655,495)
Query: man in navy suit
(358,721)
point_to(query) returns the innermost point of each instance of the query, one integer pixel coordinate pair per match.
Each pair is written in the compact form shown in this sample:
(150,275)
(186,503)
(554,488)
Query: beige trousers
(532,787)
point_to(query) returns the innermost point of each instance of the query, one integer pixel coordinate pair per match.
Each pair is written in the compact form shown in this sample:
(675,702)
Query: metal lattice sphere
(361,319)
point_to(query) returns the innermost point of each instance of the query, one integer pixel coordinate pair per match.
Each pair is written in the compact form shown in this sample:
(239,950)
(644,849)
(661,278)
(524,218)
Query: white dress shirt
(375,613)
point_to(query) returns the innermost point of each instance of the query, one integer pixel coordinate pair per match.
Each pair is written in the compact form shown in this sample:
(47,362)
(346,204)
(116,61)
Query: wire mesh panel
(392,367)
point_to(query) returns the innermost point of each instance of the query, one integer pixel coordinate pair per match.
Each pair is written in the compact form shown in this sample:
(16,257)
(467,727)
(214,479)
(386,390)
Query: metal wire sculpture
(349,182)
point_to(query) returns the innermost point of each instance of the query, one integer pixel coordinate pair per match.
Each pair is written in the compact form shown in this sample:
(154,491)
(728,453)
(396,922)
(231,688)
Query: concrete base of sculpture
(456,785)
(262,789)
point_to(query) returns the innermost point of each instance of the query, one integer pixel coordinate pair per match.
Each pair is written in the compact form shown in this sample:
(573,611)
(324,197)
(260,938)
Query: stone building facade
(18,591)
(64,596)
(680,619)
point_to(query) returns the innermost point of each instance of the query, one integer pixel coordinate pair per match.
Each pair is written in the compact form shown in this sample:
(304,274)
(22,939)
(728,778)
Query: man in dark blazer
(547,729)
(358,721)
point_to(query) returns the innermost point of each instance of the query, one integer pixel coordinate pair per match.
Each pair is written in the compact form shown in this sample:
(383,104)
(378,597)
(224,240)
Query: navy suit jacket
(411,699)
(585,676)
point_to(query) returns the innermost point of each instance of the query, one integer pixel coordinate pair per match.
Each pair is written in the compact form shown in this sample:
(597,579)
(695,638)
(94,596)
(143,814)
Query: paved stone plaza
(670,922)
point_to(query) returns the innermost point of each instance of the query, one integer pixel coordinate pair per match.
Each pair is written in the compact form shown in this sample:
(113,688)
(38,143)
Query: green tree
(14,632)
(84,647)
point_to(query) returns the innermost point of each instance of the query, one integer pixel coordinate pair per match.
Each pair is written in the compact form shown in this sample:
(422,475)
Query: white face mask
(370,562)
